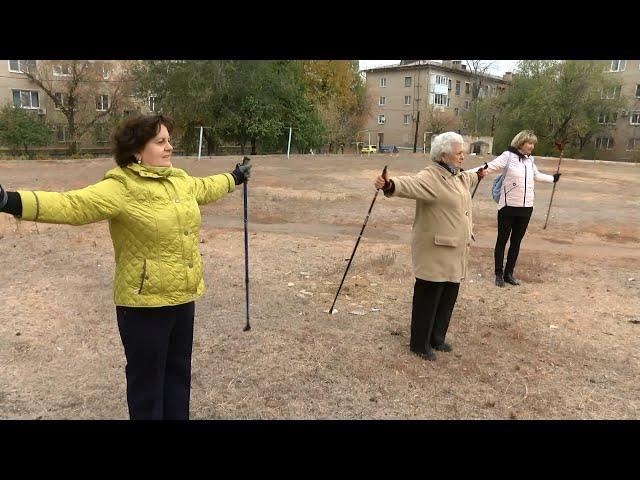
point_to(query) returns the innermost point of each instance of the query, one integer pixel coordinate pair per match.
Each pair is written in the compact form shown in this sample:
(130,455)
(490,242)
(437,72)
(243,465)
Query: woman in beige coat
(442,233)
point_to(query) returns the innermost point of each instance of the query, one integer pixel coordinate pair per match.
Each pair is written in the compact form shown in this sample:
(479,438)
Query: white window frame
(635,114)
(60,72)
(442,80)
(410,81)
(383,82)
(63,99)
(406,119)
(20,70)
(620,65)
(467,88)
(381,119)
(440,99)
(31,92)
(100,103)
(608,118)
(600,141)
(634,143)
(65,133)
(152,105)
(407,99)
(604,93)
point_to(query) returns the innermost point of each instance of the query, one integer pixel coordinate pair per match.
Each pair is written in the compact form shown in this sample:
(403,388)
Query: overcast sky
(500,67)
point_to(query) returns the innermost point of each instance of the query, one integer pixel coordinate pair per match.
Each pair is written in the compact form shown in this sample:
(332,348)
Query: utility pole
(289,146)
(415,137)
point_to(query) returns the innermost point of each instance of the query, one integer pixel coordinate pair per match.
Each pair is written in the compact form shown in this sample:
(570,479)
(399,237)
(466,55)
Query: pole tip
(247,328)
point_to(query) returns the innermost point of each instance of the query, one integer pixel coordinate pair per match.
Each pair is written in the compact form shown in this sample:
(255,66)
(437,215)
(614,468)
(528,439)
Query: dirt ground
(563,345)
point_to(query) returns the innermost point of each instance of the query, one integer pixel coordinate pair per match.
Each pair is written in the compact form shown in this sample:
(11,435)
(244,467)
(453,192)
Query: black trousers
(157,343)
(514,226)
(433,304)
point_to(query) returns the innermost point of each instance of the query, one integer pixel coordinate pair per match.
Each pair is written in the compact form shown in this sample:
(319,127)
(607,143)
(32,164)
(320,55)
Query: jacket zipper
(144,274)
(524,198)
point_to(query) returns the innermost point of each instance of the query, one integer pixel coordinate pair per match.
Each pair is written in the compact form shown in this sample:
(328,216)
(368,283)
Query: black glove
(3,198)
(242,172)
(556,177)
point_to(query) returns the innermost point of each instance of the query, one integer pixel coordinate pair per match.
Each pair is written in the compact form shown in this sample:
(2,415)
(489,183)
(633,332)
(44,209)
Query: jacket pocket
(445,241)
(149,279)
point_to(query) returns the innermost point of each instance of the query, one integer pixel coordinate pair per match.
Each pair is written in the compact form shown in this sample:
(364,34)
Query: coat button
(177,200)
(186,232)
(190,265)
(466,213)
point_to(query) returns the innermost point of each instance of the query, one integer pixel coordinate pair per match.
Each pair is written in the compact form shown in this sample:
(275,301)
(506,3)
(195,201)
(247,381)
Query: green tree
(21,129)
(558,100)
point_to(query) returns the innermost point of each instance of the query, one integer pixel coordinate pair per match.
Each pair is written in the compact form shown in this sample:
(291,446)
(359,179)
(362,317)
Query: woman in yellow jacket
(154,222)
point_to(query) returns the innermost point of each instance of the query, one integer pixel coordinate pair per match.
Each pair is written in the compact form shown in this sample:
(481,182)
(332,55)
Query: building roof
(414,64)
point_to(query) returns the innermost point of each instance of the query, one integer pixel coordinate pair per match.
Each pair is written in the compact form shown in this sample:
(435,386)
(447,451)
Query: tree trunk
(253,146)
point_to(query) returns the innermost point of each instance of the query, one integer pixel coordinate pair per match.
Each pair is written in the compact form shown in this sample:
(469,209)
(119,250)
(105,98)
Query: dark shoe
(428,355)
(499,281)
(509,279)
(445,347)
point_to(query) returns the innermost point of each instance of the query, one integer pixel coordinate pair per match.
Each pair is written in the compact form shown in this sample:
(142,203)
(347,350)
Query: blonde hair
(442,144)
(523,137)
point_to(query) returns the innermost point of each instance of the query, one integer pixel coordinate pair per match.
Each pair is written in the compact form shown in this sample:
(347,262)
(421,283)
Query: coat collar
(517,152)
(151,172)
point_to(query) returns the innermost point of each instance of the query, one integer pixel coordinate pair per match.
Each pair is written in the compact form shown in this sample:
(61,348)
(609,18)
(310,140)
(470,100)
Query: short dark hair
(133,134)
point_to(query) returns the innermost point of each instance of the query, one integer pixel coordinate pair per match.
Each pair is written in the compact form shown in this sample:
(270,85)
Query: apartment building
(409,93)
(619,138)
(100,91)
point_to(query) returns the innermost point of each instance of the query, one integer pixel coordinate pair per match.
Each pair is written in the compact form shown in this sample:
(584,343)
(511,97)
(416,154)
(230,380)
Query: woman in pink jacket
(516,200)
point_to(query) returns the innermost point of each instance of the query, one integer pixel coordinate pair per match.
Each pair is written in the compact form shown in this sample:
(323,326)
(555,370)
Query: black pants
(514,226)
(157,343)
(433,304)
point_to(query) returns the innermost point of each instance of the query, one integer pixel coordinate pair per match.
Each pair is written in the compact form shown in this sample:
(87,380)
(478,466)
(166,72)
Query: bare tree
(479,71)
(84,91)
(438,121)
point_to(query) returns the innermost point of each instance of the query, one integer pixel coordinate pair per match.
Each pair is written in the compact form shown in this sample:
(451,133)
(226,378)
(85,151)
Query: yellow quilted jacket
(154,221)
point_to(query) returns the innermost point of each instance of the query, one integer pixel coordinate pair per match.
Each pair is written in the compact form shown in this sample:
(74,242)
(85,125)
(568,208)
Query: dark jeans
(514,226)
(433,304)
(157,343)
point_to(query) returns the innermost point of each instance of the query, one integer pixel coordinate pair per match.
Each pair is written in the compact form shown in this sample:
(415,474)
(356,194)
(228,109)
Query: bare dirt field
(563,345)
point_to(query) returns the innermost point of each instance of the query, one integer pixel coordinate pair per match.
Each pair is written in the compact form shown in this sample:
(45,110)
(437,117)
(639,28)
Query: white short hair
(443,144)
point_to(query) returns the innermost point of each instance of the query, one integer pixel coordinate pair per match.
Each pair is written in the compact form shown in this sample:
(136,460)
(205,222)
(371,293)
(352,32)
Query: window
(633,144)
(456,112)
(382,101)
(407,118)
(60,99)
(467,88)
(407,99)
(442,80)
(102,103)
(634,118)
(440,99)
(383,82)
(102,134)
(152,102)
(106,72)
(466,104)
(25,99)
(407,81)
(457,87)
(608,117)
(638,91)
(61,71)
(381,120)
(611,92)
(62,133)
(21,66)
(604,143)
(449,84)
(618,65)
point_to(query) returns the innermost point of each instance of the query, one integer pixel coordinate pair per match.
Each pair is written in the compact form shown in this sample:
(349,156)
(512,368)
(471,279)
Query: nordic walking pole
(384,172)
(474,190)
(560,147)
(247,327)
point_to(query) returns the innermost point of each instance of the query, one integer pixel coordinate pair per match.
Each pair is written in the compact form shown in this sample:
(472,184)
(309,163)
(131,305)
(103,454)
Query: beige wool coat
(443,223)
